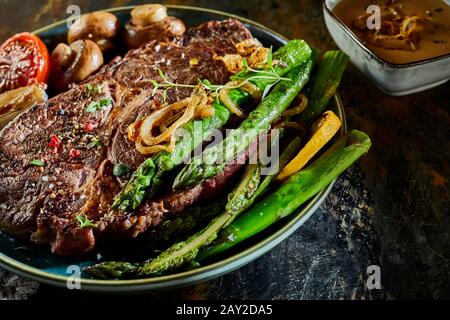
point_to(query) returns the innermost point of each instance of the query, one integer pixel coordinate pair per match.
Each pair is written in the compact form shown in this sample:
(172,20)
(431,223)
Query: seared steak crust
(221,37)
(77,179)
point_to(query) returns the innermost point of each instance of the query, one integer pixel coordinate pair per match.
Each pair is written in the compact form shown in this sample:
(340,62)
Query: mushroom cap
(74,63)
(136,35)
(96,26)
(89,58)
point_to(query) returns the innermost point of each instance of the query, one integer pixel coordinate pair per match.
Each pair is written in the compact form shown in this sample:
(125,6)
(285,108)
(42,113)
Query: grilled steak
(218,36)
(51,202)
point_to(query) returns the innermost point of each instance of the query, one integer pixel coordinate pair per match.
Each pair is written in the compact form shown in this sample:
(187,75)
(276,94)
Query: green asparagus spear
(213,159)
(133,192)
(298,189)
(147,178)
(242,197)
(246,202)
(238,199)
(189,220)
(325,84)
(114,270)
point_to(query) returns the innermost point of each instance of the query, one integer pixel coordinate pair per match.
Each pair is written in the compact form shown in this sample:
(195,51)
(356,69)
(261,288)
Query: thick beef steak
(80,148)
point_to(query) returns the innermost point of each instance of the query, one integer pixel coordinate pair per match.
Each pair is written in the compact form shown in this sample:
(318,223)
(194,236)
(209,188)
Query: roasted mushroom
(100,27)
(150,22)
(74,63)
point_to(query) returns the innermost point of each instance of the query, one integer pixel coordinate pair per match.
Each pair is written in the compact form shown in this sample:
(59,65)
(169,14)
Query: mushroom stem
(148,14)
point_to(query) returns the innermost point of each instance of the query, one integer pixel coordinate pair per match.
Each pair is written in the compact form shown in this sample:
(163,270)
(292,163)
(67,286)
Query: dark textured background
(392,209)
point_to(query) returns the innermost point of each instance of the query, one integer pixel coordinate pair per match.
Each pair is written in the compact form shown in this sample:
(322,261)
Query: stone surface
(392,210)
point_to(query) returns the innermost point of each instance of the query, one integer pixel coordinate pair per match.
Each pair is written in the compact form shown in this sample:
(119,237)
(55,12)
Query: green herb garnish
(120,170)
(37,163)
(245,76)
(98,105)
(91,90)
(95,142)
(84,222)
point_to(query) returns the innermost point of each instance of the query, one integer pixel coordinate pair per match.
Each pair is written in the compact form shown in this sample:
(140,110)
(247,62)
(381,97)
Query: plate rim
(201,274)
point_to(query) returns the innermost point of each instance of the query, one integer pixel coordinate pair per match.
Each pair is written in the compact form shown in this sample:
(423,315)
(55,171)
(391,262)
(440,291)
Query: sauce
(411,30)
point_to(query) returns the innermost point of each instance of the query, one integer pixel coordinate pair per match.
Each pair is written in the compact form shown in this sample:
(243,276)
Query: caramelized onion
(233,62)
(299,108)
(258,59)
(293,125)
(397,32)
(248,46)
(252,51)
(167,120)
(224,95)
(154,149)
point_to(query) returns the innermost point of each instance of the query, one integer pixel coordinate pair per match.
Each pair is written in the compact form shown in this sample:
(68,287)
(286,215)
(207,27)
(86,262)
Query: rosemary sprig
(268,74)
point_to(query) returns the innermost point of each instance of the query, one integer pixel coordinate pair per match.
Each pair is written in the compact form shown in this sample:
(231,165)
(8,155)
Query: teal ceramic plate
(37,263)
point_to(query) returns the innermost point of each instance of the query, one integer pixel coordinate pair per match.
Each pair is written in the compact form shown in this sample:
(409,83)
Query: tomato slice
(24,60)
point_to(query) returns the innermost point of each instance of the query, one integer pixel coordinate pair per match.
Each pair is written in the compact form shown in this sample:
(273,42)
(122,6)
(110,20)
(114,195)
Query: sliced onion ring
(224,96)
(293,125)
(148,150)
(155,119)
(168,120)
(299,108)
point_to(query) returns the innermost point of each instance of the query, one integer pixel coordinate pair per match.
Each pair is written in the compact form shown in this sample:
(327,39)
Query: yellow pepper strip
(323,131)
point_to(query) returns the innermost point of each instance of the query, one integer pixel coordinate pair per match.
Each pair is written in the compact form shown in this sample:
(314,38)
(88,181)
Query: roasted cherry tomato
(24,60)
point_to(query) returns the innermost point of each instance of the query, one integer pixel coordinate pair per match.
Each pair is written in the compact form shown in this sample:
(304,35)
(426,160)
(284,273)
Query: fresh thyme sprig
(84,222)
(268,74)
(93,90)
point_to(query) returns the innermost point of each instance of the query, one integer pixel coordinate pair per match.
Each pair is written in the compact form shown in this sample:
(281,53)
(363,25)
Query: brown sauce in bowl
(411,30)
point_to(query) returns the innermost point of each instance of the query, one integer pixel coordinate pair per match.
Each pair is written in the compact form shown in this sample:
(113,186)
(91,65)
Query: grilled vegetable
(14,102)
(100,27)
(253,184)
(324,85)
(24,60)
(190,220)
(298,189)
(323,131)
(241,198)
(74,63)
(258,121)
(113,270)
(146,180)
(148,14)
(151,22)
